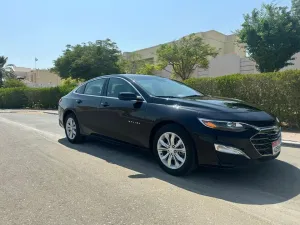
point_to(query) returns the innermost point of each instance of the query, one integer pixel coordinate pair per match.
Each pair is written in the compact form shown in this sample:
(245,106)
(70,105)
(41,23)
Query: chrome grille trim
(265,136)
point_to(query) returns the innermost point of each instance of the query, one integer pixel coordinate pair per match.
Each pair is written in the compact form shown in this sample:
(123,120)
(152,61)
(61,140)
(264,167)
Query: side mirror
(128,96)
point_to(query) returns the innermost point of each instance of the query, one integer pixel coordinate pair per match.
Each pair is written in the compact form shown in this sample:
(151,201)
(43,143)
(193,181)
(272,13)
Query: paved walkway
(291,138)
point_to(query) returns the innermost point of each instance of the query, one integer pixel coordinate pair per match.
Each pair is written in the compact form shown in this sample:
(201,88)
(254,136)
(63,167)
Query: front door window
(94,87)
(117,85)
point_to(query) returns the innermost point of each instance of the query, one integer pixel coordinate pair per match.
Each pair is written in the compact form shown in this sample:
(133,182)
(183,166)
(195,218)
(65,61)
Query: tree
(148,69)
(272,35)
(12,83)
(71,82)
(3,61)
(185,55)
(88,60)
(6,72)
(296,8)
(130,63)
(133,63)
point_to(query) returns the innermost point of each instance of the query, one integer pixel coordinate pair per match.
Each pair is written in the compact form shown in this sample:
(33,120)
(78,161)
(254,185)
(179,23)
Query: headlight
(224,125)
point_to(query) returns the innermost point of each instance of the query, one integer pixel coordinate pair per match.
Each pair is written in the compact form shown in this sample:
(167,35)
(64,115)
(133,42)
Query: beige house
(231,59)
(37,78)
(226,44)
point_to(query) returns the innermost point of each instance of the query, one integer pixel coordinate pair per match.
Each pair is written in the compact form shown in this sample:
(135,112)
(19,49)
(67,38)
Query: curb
(293,144)
(52,113)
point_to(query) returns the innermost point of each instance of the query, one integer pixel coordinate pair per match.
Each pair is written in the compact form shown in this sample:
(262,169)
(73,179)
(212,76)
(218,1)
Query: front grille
(262,141)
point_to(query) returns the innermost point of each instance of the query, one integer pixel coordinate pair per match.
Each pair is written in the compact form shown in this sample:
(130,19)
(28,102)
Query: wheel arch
(66,113)
(163,123)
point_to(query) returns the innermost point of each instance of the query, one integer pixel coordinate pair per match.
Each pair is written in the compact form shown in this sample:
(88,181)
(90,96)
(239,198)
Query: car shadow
(265,183)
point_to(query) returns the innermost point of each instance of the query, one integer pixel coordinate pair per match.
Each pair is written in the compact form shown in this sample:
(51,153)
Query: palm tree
(2,69)
(5,72)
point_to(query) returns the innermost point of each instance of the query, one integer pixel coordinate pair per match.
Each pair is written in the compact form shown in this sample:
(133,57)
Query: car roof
(128,76)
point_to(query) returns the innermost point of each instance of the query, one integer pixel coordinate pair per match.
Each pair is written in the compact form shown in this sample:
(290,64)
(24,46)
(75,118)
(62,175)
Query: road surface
(46,180)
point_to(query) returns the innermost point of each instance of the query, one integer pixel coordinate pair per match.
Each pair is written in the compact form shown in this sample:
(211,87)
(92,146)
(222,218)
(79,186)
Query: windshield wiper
(165,96)
(190,96)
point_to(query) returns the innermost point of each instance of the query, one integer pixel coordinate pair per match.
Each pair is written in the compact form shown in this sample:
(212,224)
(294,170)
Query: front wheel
(72,129)
(174,150)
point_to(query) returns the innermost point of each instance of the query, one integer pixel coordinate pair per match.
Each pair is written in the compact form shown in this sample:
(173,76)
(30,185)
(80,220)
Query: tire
(176,166)
(71,124)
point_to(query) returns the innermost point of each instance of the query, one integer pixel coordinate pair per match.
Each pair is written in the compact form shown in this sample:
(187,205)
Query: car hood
(209,103)
(220,108)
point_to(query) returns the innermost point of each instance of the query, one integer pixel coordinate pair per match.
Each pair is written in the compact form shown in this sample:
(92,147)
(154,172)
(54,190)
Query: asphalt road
(46,180)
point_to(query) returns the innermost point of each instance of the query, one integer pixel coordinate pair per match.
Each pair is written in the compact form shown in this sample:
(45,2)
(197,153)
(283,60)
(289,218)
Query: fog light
(230,150)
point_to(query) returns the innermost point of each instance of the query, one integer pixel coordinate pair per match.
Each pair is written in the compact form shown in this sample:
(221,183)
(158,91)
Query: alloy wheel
(171,150)
(71,128)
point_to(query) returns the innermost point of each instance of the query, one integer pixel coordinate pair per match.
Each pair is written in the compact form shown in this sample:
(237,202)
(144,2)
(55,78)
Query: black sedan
(182,127)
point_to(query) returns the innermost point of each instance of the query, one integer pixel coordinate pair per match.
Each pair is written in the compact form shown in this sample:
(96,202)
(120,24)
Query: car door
(87,105)
(122,120)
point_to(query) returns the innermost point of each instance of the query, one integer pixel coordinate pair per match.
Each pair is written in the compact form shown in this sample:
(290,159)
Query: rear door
(122,120)
(87,105)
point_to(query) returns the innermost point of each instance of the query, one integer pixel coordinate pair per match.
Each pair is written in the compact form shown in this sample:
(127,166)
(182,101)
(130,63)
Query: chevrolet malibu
(181,126)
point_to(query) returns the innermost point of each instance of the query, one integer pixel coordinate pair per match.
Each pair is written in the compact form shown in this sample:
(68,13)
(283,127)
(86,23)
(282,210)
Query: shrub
(37,98)
(12,98)
(44,98)
(71,82)
(11,83)
(277,93)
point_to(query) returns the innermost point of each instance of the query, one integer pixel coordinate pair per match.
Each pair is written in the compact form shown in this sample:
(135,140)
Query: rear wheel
(174,150)
(72,129)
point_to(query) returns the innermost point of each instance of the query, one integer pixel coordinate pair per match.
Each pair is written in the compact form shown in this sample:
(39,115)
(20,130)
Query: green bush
(12,98)
(277,93)
(71,82)
(44,98)
(36,98)
(12,83)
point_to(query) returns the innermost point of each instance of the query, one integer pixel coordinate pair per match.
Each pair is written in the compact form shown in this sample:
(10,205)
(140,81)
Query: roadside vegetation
(276,92)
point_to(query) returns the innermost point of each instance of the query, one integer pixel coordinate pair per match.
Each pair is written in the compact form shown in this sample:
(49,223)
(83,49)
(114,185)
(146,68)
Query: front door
(122,120)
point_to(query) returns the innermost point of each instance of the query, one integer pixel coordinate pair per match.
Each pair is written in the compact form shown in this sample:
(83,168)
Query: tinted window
(94,87)
(117,85)
(80,90)
(159,86)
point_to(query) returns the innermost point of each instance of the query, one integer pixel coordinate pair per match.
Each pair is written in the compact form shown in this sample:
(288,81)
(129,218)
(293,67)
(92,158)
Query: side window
(117,85)
(80,90)
(94,87)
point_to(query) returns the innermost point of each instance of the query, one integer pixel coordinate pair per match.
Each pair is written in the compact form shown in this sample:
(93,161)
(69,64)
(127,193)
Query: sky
(42,28)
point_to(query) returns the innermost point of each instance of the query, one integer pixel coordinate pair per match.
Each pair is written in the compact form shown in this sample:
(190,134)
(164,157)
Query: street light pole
(35,60)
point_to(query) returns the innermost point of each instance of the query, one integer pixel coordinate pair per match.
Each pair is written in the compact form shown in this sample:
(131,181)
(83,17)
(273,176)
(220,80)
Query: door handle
(78,101)
(104,104)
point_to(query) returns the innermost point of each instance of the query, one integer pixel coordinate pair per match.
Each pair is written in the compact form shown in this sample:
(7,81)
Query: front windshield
(163,87)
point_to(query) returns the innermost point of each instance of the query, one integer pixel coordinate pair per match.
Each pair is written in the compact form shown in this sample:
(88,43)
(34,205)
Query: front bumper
(229,160)
(251,147)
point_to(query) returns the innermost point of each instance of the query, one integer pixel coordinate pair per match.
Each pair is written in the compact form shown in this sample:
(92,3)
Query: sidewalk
(292,139)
